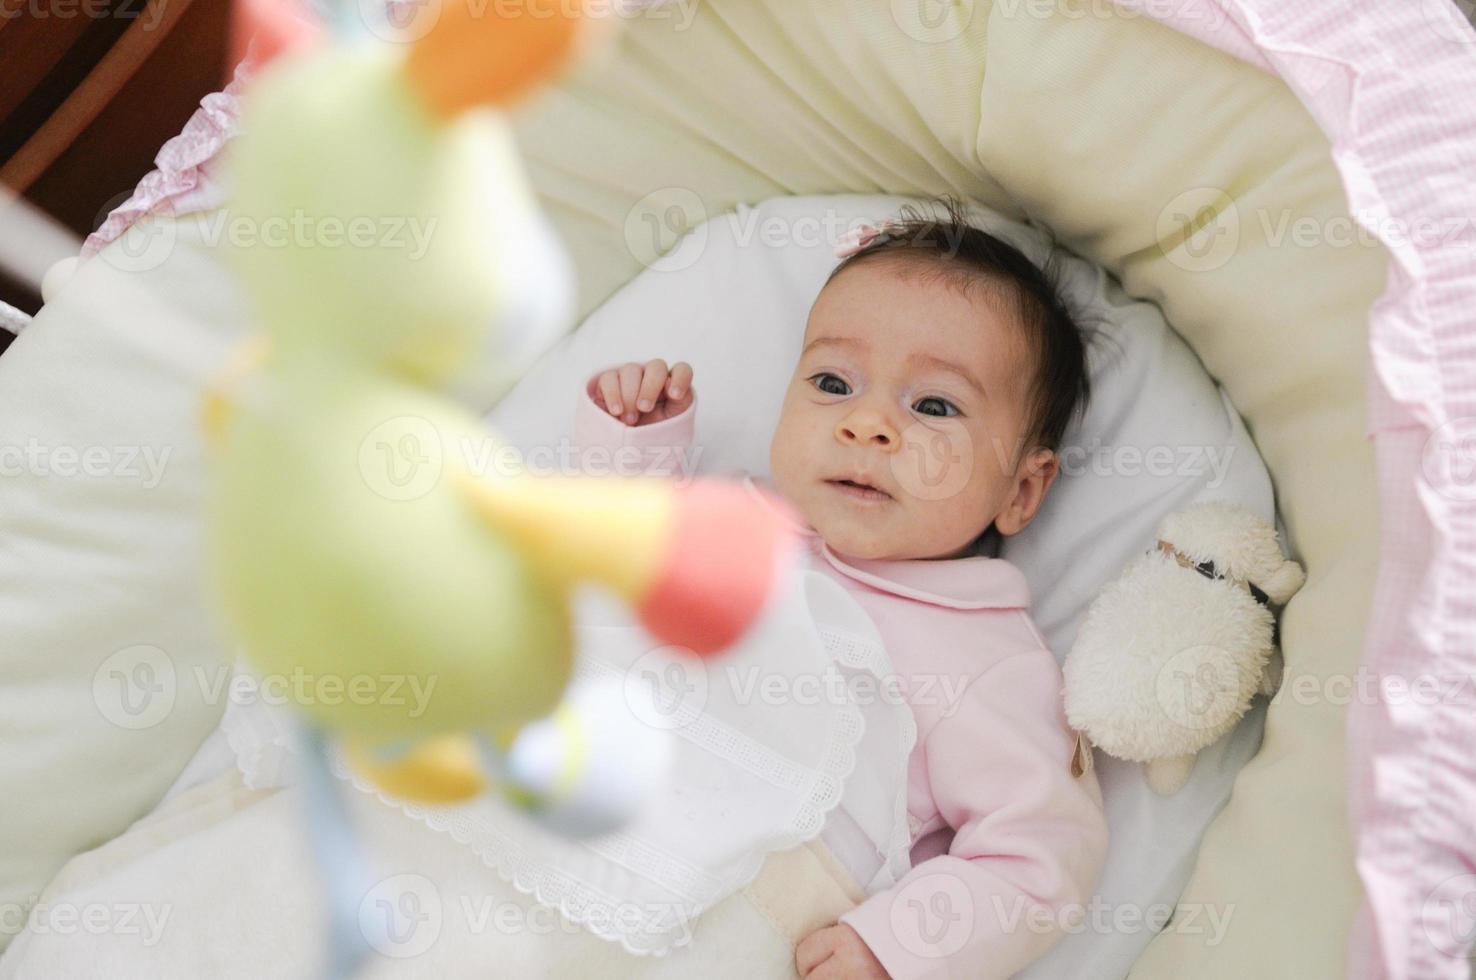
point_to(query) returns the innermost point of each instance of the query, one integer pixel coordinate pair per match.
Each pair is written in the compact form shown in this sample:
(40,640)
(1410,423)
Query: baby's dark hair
(939,235)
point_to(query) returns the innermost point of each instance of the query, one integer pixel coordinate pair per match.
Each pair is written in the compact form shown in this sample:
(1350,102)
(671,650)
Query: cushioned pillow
(732,298)
(110,657)
(1179,168)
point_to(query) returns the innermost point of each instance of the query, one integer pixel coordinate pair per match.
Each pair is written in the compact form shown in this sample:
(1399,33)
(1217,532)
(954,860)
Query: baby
(939,370)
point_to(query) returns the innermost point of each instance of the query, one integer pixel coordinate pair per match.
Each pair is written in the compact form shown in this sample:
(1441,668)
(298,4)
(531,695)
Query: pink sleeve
(1029,844)
(607,446)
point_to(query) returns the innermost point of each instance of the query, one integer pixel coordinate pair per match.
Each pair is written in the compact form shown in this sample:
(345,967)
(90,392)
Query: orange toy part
(476,55)
(727,554)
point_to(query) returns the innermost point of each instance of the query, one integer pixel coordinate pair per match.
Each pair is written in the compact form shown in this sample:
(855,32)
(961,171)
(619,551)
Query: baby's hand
(837,953)
(639,394)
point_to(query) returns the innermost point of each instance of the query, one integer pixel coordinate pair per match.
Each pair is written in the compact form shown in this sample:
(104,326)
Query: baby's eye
(830,384)
(935,406)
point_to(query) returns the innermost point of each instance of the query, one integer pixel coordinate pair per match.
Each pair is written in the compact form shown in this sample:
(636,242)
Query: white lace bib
(767,742)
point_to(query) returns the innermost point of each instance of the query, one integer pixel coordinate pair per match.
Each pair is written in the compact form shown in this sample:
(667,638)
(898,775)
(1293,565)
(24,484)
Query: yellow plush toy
(351,534)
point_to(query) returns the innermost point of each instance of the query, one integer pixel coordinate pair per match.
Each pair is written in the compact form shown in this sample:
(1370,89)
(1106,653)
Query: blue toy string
(338,856)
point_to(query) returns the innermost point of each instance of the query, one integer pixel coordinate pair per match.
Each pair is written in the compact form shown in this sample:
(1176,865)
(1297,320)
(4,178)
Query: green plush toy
(401,264)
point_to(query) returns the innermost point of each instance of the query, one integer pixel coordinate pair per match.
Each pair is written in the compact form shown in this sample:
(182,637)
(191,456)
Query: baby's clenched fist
(837,953)
(639,394)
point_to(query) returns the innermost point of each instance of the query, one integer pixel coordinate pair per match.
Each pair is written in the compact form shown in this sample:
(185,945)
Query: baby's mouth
(859,490)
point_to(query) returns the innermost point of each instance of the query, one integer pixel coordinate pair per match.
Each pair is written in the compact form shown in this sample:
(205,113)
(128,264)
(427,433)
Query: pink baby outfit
(1007,844)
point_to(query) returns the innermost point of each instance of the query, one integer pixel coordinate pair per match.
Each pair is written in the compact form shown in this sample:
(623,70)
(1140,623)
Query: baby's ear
(1037,471)
(1046,463)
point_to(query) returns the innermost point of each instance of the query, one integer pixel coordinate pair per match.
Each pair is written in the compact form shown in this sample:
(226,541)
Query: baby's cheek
(957,519)
(781,462)
(935,464)
(796,447)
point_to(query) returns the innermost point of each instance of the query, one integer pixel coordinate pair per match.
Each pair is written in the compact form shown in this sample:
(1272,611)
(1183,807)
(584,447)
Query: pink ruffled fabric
(187,178)
(1390,84)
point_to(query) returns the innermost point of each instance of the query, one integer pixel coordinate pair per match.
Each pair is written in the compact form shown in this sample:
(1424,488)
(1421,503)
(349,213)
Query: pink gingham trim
(188,166)
(1392,85)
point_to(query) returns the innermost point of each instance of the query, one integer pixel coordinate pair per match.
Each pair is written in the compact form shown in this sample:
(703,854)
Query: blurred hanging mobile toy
(350,534)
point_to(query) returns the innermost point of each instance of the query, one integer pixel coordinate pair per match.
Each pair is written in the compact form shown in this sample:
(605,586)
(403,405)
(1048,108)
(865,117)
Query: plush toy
(359,543)
(1171,653)
(356,531)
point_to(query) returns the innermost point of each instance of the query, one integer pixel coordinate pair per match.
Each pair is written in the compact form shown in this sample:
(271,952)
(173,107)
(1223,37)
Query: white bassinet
(1290,181)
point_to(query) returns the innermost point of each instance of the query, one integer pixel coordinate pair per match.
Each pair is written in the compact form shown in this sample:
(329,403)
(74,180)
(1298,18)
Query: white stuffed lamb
(1171,653)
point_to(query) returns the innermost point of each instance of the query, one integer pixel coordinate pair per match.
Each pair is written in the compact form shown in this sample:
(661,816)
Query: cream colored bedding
(1109,128)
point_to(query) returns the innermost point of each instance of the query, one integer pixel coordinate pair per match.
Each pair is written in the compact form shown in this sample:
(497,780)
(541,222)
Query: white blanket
(217,884)
(772,739)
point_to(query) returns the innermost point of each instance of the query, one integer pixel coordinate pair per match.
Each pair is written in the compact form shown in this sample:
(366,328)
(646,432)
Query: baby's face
(902,427)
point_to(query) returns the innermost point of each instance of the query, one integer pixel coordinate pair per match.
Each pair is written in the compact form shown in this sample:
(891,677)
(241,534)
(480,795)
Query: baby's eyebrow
(938,363)
(836,341)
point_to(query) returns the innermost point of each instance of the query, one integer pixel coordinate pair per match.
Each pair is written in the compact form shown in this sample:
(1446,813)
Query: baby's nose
(867,429)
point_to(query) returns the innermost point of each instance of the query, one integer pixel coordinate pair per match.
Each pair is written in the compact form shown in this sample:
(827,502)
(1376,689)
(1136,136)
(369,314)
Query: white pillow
(111,661)
(732,298)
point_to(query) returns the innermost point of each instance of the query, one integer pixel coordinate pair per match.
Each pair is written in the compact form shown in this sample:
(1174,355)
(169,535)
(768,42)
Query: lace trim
(861,653)
(261,740)
(658,931)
